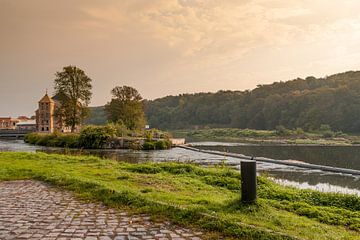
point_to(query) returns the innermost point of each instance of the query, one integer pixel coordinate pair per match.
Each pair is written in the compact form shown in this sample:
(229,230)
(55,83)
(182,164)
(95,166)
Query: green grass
(206,198)
(266,136)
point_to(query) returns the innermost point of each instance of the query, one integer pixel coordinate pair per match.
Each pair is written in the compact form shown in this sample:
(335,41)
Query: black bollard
(248,181)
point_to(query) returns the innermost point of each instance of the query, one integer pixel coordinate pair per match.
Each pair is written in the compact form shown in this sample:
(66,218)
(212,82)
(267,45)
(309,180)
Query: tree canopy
(73,89)
(305,103)
(126,106)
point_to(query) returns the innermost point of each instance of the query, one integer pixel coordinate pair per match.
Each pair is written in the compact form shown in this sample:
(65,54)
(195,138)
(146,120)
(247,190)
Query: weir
(280,162)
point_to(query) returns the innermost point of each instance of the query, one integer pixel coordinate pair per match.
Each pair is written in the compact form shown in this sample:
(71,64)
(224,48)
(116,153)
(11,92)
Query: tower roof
(46,99)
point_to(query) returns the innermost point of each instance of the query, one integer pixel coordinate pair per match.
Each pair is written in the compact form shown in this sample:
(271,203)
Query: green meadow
(207,198)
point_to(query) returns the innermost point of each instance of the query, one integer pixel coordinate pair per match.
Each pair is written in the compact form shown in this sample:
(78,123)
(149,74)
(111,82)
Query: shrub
(156,145)
(56,139)
(96,136)
(299,131)
(162,144)
(148,145)
(156,133)
(328,134)
(325,128)
(31,138)
(120,129)
(282,131)
(69,140)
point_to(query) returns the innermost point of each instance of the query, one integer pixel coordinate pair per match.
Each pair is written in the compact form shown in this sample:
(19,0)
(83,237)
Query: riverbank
(282,136)
(101,137)
(191,195)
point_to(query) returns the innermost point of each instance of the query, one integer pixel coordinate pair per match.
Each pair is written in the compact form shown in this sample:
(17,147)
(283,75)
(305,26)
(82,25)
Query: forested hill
(305,103)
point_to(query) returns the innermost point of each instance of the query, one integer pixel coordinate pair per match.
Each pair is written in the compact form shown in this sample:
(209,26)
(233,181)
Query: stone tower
(45,115)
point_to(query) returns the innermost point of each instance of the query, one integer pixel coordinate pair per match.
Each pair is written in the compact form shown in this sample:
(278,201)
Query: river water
(338,156)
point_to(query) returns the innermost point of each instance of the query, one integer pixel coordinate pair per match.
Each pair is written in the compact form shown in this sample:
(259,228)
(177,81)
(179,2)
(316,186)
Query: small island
(59,119)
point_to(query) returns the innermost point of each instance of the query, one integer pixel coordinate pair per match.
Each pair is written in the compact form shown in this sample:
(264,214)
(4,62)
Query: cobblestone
(34,210)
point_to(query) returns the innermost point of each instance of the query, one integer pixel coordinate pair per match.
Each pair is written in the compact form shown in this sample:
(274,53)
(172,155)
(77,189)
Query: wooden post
(248,181)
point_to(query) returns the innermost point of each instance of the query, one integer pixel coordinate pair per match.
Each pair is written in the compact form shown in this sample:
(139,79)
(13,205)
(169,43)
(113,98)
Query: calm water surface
(346,157)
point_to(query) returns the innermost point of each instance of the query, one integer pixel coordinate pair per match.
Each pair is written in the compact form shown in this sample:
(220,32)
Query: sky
(169,47)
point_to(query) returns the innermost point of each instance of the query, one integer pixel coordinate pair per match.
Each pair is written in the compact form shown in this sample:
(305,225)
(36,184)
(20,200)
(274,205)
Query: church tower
(45,115)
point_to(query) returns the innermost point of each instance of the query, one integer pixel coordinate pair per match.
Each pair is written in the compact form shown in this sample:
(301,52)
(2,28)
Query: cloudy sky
(167,47)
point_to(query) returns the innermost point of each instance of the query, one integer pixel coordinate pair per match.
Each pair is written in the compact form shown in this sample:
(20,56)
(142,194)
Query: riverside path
(34,210)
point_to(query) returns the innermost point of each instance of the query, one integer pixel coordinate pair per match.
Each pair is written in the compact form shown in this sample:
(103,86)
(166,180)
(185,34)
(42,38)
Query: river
(338,156)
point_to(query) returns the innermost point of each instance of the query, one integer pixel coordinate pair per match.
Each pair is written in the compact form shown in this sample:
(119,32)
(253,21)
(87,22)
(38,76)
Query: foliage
(156,145)
(53,140)
(96,136)
(149,134)
(120,129)
(89,137)
(300,103)
(188,194)
(126,107)
(97,116)
(73,89)
(279,136)
(282,131)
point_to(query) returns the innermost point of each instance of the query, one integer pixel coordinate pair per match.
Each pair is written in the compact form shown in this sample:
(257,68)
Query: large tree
(126,106)
(73,89)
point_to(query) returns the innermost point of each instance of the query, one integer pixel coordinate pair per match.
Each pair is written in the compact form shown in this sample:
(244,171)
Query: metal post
(248,181)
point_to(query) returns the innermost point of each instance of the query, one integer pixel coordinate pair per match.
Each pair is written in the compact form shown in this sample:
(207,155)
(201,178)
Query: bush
(299,131)
(325,128)
(326,131)
(31,138)
(163,144)
(156,133)
(156,145)
(328,134)
(282,131)
(120,129)
(95,137)
(148,145)
(69,140)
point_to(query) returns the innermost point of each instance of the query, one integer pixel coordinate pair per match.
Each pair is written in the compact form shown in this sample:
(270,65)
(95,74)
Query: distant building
(23,118)
(46,121)
(8,123)
(27,125)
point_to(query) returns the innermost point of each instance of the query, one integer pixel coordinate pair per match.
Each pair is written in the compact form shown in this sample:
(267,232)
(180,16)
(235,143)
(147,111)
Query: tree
(73,89)
(126,106)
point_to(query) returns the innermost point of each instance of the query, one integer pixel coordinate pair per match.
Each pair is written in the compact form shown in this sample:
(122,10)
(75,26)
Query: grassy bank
(279,136)
(207,198)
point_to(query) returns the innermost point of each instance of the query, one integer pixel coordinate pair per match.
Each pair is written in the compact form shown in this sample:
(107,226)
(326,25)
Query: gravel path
(34,210)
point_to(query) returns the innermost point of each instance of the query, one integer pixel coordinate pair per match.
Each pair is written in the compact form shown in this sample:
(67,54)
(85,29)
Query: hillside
(305,103)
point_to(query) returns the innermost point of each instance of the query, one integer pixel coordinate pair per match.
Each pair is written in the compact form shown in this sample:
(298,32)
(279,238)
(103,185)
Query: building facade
(46,120)
(8,123)
(29,125)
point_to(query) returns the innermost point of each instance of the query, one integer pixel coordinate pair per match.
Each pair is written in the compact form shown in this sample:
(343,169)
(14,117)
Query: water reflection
(288,175)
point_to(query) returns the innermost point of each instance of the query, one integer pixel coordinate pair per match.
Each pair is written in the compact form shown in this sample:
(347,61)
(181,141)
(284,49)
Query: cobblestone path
(33,210)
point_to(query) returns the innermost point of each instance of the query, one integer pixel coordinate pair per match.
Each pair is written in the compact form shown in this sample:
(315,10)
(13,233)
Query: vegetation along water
(194,195)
